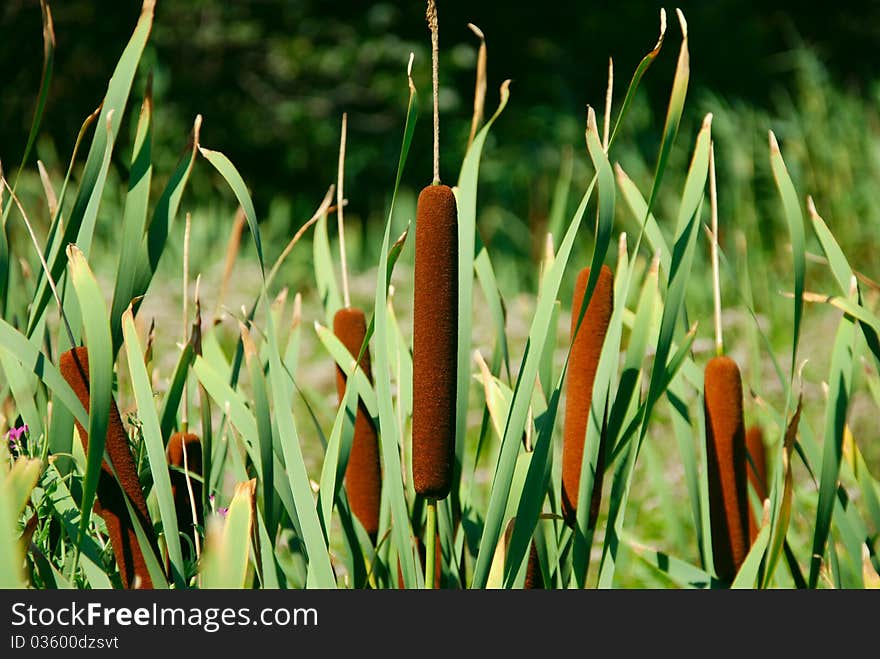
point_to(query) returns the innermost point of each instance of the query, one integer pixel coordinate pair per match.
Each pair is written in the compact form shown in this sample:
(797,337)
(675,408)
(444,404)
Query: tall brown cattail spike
(534,577)
(187,231)
(184,451)
(363,474)
(110,501)
(726,458)
(757,473)
(584,360)
(435,341)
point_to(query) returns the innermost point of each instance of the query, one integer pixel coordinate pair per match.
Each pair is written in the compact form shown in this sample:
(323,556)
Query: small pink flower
(14,434)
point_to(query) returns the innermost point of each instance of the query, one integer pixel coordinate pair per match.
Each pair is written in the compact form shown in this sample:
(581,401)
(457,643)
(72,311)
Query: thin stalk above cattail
(363,474)
(586,349)
(110,501)
(726,460)
(716,277)
(340,198)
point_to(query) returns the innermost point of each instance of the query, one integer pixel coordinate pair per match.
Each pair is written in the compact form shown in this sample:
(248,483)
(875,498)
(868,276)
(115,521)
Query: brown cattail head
(534,578)
(726,456)
(110,502)
(363,475)
(435,341)
(177,445)
(585,351)
(757,473)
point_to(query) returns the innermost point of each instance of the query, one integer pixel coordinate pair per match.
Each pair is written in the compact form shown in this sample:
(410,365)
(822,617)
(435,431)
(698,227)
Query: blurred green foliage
(272,79)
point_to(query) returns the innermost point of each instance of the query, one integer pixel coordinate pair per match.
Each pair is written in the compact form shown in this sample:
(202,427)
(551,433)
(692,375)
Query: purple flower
(222,511)
(14,434)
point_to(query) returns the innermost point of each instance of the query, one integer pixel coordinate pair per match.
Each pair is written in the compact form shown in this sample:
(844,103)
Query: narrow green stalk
(430,544)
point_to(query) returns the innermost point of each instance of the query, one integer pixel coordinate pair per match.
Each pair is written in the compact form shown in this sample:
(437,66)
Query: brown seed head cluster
(110,502)
(363,475)
(757,473)
(534,578)
(583,362)
(726,456)
(178,444)
(435,341)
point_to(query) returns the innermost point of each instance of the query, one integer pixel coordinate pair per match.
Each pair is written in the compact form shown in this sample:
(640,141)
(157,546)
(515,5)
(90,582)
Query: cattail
(726,456)
(110,502)
(534,578)
(363,475)
(435,341)
(585,351)
(757,473)
(177,445)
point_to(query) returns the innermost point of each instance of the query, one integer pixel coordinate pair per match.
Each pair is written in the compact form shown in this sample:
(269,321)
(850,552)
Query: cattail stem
(184,421)
(716,278)
(339,199)
(435,82)
(430,544)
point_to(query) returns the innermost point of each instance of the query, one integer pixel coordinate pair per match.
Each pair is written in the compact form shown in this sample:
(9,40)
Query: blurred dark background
(272,78)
